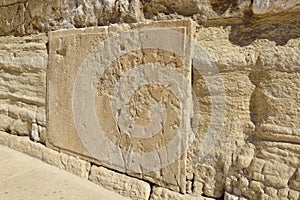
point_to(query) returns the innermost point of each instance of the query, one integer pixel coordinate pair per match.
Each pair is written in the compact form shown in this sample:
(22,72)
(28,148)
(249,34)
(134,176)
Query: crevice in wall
(151,190)
(90,171)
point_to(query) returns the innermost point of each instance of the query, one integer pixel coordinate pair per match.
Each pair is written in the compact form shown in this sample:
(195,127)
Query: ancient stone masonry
(23,68)
(68,49)
(157,99)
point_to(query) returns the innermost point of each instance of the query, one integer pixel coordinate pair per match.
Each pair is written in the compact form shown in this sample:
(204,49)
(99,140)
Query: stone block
(120,183)
(159,193)
(75,165)
(89,86)
(52,157)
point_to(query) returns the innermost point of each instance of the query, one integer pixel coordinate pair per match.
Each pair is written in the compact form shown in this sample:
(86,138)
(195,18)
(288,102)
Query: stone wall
(255,46)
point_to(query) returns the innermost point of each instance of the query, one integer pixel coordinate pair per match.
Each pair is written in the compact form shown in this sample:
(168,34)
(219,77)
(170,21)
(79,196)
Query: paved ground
(26,178)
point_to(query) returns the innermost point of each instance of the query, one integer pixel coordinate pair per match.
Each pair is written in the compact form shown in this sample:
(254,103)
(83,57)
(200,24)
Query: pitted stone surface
(254,44)
(23,63)
(68,49)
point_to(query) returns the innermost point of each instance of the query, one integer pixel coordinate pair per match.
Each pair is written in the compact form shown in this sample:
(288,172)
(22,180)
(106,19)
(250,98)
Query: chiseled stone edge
(120,183)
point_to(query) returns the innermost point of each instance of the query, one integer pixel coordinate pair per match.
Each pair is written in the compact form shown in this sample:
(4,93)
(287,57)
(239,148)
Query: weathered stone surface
(257,155)
(275,6)
(30,16)
(122,184)
(159,193)
(215,9)
(68,49)
(71,164)
(198,9)
(23,63)
(238,62)
(265,79)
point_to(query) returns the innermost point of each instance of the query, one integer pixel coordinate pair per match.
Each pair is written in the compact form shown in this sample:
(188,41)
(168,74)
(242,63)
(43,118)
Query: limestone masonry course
(254,45)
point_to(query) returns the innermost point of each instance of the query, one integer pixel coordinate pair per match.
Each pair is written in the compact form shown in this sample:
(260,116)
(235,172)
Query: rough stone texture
(257,52)
(122,184)
(275,6)
(262,85)
(162,193)
(68,49)
(23,63)
(198,9)
(29,16)
(209,173)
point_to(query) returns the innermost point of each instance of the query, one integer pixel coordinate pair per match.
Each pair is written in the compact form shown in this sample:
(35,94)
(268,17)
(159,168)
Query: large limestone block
(143,69)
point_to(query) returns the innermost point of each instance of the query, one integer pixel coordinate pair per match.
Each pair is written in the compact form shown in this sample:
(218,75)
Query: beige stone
(272,192)
(75,165)
(52,157)
(159,193)
(23,63)
(198,188)
(4,138)
(43,16)
(120,183)
(293,194)
(294,182)
(267,84)
(257,155)
(228,196)
(277,174)
(283,192)
(68,50)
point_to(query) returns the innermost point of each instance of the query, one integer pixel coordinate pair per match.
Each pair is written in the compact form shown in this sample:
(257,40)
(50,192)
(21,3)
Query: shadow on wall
(279,29)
